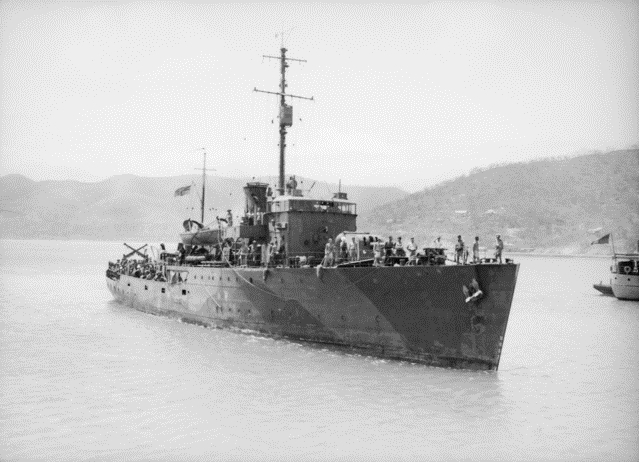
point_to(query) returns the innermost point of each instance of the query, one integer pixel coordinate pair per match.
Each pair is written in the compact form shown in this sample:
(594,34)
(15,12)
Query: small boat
(624,277)
(624,272)
(605,289)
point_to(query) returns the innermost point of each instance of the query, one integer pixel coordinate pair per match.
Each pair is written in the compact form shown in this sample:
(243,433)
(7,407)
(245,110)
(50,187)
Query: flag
(602,240)
(183,191)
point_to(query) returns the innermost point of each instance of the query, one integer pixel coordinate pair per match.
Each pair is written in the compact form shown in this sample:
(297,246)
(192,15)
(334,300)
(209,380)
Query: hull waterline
(415,313)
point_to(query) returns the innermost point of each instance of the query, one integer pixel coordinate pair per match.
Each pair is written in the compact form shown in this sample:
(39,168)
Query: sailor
(253,251)
(378,249)
(499,247)
(244,251)
(437,243)
(182,253)
(476,250)
(291,185)
(329,253)
(226,252)
(459,250)
(389,247)
(272,251)
(399,248)
(352,250)
(234,250)
(343,249)
(412,251)
(281,252)
(229,218)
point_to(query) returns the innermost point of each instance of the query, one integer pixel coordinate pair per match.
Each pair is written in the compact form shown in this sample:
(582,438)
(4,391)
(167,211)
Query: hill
(549,205)
(131,207)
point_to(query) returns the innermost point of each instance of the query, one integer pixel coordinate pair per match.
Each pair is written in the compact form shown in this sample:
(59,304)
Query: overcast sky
(405,95)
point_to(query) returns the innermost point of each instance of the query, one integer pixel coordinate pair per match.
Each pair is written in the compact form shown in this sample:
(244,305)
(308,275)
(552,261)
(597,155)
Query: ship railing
(306,259)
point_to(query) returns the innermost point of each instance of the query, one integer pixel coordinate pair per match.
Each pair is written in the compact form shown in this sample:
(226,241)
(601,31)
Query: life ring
(627,269)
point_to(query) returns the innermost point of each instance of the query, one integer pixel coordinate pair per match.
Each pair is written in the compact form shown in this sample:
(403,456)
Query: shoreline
(555,255)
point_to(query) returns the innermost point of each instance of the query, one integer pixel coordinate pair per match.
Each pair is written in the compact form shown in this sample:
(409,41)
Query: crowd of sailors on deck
(241,252)
(143,269)
(396,253)
(341,251)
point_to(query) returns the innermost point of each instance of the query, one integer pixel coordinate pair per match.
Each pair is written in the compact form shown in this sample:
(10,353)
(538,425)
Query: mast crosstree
(286,111)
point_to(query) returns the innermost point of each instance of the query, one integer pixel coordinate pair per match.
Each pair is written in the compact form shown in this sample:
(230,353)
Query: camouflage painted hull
(415,313)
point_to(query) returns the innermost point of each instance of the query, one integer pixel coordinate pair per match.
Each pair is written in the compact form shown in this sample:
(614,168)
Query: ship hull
(415,313)
(625,286)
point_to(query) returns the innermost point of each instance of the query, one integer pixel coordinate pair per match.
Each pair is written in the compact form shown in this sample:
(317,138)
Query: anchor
(472,292)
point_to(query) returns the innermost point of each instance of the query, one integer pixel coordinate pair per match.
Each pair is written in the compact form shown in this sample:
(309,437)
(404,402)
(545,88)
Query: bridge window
(313,206)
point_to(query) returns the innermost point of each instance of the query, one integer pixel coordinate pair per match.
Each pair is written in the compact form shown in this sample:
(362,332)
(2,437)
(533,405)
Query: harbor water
(85,378)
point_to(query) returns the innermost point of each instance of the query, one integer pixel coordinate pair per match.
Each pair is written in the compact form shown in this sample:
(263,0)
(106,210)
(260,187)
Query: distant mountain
(132,207)
(555,205)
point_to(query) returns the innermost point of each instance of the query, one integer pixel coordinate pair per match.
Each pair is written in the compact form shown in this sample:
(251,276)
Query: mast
(204,169)
(283,126)
(203,187)
(286,111)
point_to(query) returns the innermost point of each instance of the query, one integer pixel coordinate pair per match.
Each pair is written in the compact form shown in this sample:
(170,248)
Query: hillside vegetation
(132,207)
(553,205)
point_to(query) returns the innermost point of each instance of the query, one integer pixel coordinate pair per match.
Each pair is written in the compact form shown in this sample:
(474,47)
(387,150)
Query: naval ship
(415,307)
